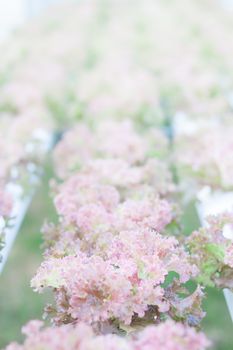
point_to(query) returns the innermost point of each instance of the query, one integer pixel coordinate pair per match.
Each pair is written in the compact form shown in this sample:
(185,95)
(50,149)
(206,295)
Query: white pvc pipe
(22,201)
(19,211)
(229,300)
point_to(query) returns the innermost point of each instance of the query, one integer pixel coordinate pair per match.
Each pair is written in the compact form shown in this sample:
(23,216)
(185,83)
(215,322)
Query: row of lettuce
(112,260)
(142,93)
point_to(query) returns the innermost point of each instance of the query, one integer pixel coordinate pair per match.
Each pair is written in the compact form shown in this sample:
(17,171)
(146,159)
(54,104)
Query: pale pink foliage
(205,156)
(109,139)
(166,336)
(122,279)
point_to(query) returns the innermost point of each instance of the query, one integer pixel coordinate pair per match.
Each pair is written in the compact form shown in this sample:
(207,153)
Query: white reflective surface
(22,201)
(13,13)
(227,4)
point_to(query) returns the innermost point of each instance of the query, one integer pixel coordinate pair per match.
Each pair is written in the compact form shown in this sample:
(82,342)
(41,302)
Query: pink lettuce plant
(205,157)
(166,336)
(211,249)
(109,139)
(120,281)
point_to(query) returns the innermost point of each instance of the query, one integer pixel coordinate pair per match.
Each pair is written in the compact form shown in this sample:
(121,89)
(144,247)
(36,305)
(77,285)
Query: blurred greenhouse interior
(15,13)
(49,88)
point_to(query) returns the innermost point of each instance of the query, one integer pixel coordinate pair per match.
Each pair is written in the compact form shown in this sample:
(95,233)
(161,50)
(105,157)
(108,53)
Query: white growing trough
(21,204)
(22,200)
(213,203)
(208,202)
